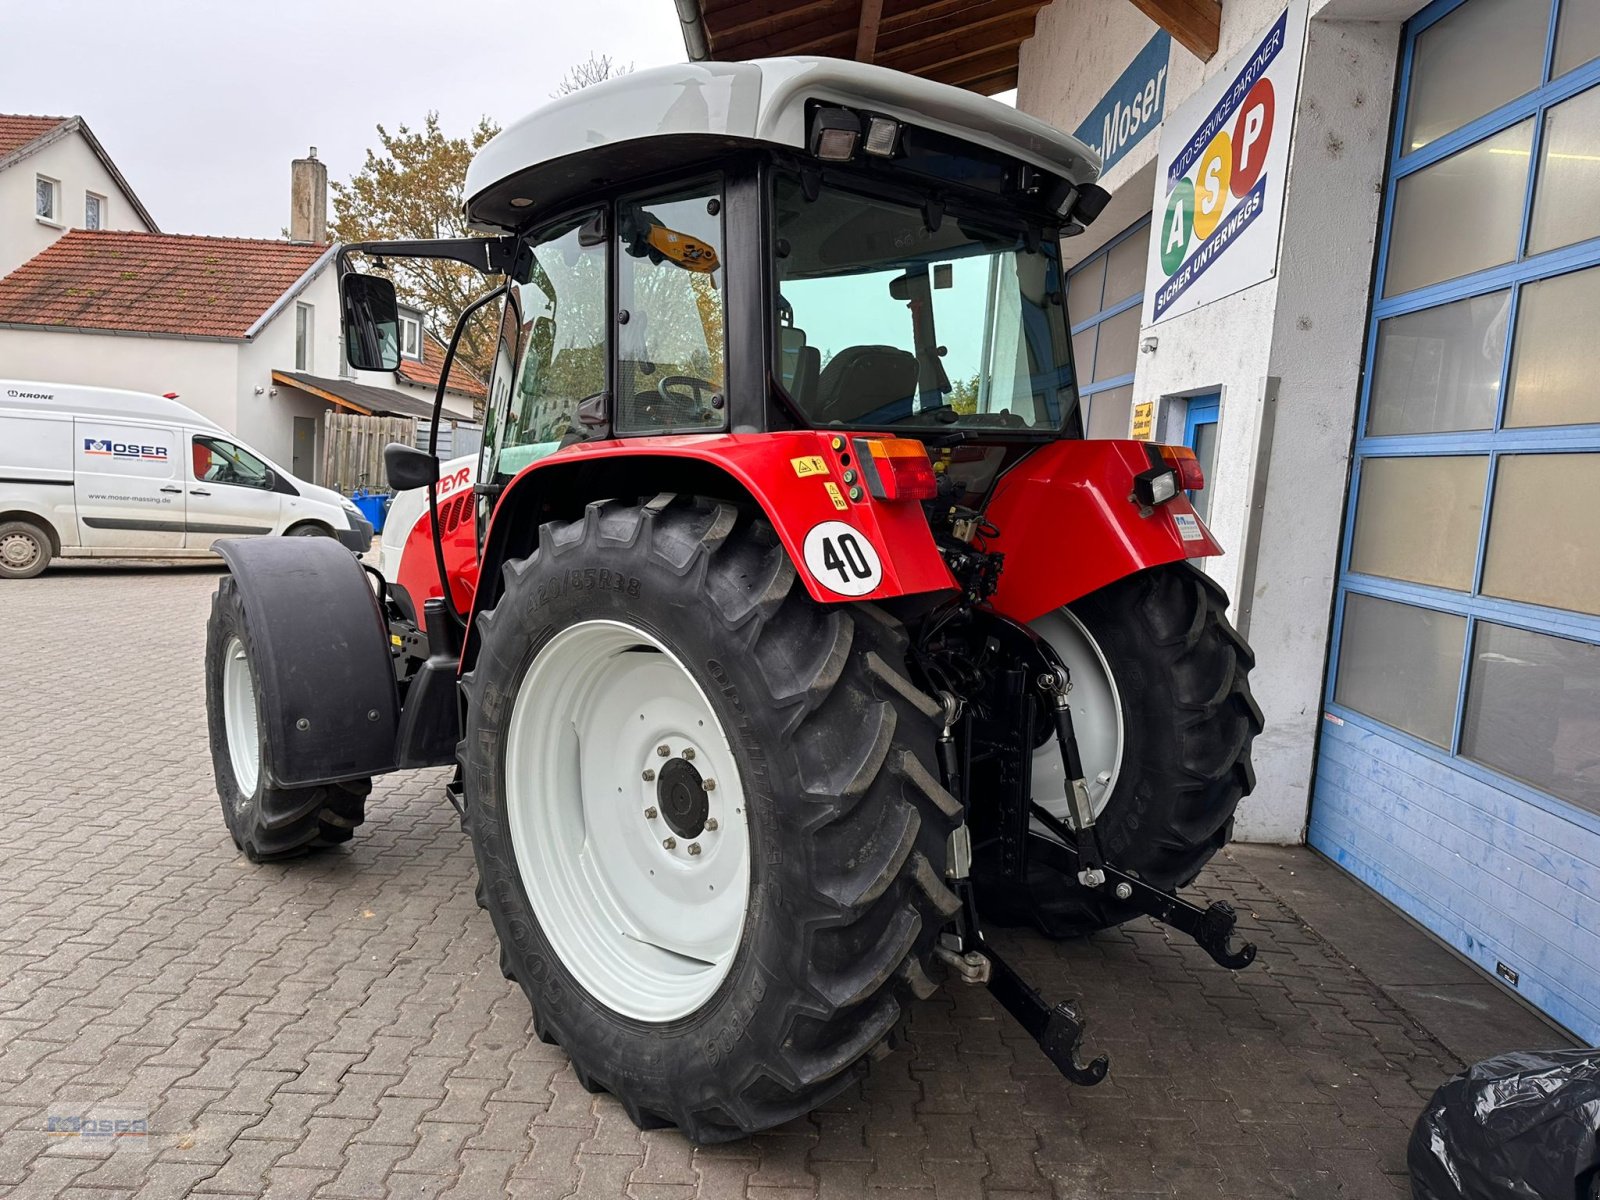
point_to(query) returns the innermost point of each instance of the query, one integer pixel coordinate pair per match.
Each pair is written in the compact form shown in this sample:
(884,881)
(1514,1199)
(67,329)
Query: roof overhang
(974,44)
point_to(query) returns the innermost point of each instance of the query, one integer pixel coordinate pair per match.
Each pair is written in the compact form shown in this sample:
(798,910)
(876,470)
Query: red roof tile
(158,283)
(16,131)
(463,378)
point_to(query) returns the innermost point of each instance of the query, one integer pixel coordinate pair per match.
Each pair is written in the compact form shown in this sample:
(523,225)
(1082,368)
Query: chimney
(308,200)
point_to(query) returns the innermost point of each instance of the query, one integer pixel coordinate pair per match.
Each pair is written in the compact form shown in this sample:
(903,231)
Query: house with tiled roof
(244,330)
(55,176)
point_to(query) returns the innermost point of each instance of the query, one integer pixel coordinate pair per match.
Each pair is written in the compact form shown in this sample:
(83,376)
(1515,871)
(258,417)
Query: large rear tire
(1170,725)
(266,823)
(722,934)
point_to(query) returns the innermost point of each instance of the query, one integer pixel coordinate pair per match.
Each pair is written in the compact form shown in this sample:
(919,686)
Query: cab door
(232,493)
(127,485)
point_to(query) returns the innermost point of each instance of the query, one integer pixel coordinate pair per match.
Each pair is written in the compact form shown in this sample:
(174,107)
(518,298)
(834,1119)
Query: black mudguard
(321,657)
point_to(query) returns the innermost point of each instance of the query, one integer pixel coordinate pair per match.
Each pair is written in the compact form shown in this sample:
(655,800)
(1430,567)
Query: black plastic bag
(1522,1126)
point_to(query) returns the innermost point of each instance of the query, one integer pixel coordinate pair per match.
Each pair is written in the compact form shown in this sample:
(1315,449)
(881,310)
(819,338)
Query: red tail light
(896,468)
(1182,460)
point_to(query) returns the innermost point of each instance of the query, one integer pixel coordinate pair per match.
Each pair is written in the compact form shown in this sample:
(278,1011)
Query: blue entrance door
(1200,435)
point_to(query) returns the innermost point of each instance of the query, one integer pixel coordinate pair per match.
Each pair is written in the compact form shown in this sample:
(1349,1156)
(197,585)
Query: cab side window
(216,460)
(671,349)
(558,310)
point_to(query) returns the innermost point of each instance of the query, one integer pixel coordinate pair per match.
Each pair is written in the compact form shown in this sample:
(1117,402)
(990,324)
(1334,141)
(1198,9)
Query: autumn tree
(412,188)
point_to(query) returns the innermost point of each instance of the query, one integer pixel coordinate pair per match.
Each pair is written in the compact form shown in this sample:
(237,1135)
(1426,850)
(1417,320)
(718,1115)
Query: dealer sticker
(842,560)
(1188,527)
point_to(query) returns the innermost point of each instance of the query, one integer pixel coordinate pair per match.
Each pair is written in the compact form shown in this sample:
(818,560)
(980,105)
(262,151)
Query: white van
(90,472)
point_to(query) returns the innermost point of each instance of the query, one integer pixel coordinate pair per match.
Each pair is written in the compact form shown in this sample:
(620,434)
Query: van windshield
(883,321)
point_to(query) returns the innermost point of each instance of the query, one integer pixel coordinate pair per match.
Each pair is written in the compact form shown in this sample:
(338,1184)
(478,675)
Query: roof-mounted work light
(883,135)
(834,134)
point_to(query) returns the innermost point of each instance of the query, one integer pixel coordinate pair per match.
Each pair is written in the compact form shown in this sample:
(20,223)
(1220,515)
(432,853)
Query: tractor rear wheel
(704,814)
(1162,709)
(267,823)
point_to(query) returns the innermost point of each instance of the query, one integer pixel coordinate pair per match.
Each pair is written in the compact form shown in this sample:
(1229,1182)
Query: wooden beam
(743,18)
(279,377)
(1196,24)
(867,29)
(958,44)
(974,22)
(975,70)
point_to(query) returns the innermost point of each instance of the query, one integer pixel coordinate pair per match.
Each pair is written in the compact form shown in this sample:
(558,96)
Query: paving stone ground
(338,1027)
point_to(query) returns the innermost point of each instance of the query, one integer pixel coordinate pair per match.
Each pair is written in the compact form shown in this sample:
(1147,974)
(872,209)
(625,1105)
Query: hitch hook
(1063,1036)
(1215,933)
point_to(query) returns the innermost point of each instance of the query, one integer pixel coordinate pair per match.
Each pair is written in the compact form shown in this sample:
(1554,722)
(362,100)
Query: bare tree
(594,69)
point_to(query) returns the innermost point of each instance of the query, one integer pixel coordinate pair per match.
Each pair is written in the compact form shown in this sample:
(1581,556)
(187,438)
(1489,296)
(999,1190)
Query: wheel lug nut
(648,774)
(710,785)
(669,843)
(688,753)
(650,813)
(664,751)
(694,847)
(711,824)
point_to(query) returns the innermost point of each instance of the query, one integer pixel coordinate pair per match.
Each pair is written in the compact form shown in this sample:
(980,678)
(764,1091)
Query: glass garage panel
(1417,519)
(1577,34)
(1125,269)
(1544,535)
(1083,352)
(1083,290)
(1110,413)
(1460,214)
(1470,63)
(1564,208)
(1533,711)
(1118,352)
(1552,357)
(1438,370)
(1401,665)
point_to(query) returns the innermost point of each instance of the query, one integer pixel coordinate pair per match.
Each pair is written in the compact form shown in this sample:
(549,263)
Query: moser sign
(1223,160)
(1133,105)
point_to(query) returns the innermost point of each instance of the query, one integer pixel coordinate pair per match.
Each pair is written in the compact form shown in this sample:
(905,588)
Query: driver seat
(863,379)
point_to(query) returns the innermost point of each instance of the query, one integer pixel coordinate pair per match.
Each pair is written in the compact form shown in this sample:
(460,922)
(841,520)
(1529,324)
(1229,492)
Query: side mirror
(371,317)
(407,467)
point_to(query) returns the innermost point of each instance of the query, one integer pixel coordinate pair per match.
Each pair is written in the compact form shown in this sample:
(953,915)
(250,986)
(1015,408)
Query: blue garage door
(1459,769)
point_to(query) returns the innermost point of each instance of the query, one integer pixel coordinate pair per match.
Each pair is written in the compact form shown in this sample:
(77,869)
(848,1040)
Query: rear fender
(795,478)
(329,708)
(1069,525)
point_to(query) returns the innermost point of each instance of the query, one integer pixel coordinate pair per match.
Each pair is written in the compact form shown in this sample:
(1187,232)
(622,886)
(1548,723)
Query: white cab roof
(764,100)
(82,401)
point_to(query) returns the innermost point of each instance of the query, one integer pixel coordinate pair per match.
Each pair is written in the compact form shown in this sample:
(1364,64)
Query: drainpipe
(694,30)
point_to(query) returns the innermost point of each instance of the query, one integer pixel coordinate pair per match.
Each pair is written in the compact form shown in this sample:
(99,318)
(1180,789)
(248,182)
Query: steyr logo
(110,449)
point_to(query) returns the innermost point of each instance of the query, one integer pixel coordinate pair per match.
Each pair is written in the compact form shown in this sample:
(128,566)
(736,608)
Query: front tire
(1162,707)
(622,632)
(267,823)
(25,549)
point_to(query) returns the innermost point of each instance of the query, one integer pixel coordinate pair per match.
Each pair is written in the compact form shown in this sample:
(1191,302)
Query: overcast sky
(203,104)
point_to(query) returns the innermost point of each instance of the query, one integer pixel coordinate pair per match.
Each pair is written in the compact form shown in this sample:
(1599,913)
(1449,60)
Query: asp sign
(1223,161)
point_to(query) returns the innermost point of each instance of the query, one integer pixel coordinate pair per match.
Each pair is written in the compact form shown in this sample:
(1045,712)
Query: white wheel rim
(239,717)
(20,551)
(646,918)
(1096,718)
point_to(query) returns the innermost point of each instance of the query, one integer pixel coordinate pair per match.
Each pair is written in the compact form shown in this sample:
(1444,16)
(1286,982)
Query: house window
(94,209)
(44,198)
(302,337)
(411,336)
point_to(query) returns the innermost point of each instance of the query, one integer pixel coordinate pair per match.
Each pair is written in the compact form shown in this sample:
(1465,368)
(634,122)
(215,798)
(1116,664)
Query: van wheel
(25,550)
(266,822)
(309,529)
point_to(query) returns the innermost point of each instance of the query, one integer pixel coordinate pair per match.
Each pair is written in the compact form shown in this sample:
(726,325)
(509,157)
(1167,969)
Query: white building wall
(1294,341)
(202,373)
(78,170)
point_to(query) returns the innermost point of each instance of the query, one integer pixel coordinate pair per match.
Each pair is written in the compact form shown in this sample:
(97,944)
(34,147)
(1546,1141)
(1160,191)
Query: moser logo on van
(111,449)
(1224,158)
(1132,106)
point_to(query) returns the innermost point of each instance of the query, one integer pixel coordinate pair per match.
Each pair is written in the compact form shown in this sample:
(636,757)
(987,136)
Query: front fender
(796,478)
(1069,526)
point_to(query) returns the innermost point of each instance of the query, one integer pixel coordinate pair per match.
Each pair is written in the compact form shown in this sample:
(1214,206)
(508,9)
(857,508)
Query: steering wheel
(696,408)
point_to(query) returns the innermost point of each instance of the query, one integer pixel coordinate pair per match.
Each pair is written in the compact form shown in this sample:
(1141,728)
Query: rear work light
(896,468)
(1182,460)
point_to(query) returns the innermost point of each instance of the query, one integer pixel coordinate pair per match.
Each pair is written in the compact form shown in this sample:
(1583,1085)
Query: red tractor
(787,628)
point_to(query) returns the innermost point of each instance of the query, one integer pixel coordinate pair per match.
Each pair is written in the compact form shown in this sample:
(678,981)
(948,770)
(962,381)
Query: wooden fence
(353,449)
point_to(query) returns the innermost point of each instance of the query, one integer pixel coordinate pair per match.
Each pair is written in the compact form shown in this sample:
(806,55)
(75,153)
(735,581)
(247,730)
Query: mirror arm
(467,314)
(492,256)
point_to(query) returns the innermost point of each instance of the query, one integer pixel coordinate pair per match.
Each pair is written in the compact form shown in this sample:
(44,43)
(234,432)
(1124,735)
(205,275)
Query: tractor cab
(786,628)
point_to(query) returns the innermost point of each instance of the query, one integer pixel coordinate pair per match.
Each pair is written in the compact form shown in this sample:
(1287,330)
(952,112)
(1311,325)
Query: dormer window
(411,335)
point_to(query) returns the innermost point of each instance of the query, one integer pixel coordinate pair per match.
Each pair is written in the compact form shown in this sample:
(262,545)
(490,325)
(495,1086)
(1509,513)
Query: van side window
(219,461)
